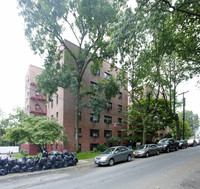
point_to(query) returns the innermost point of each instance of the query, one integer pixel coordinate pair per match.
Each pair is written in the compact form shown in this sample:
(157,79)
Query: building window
(119,134)
(94,133)
(107,119)
(119,108)
(37,108)
(94,71)
(120,95)
(37,94)
(97,72)
(80,147)
(79,132)
(79,115)
(119,121)
(94,85)
(119,82)
(109,106)
(57,116)
(94,118)
(107,133)
(107,76)
(57,99)
(52,104)
(93,147)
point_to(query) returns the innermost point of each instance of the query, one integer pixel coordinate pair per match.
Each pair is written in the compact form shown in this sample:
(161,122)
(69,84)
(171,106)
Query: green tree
(133,51)
(35,130)
(161,53)
(191,118)
(114,141)
(11,121)
(48,23)
(181,23)
(187,133)
(143,126)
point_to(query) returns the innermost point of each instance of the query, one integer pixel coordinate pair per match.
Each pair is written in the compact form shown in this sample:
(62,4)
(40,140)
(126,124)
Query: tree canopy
(35,130)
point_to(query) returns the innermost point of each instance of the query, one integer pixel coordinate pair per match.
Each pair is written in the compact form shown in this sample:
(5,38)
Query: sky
(16,56)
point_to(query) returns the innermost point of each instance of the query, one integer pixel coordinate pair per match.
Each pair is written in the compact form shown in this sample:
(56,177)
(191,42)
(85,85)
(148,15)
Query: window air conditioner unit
(95,119)
(95,135)
(108,135)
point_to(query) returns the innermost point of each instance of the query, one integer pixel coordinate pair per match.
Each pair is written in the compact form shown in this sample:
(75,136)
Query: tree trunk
(77,120)
(177,127)
(144,134)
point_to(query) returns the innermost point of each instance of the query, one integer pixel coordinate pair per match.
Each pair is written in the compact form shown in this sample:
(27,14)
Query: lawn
(87,155)
(81,155)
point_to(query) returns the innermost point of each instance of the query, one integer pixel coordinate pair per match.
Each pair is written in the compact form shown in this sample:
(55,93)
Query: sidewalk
(81,163)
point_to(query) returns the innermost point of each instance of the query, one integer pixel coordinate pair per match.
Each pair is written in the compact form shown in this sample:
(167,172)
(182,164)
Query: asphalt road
(175,170)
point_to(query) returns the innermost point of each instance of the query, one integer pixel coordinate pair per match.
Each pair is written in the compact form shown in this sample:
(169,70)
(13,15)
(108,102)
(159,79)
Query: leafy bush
(114,140)
(23,152)
(101,147)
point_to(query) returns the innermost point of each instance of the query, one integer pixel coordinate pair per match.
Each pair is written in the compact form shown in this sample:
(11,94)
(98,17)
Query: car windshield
(143,147)
(109,151)
(163,141)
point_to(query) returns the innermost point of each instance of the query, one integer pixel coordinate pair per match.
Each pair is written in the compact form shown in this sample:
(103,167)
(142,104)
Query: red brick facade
(91,132)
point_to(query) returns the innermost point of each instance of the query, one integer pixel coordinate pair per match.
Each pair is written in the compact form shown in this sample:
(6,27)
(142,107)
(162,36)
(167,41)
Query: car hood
(103,155)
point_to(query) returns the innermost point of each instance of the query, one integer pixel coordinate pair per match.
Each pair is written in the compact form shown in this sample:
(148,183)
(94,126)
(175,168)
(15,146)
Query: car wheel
(147,154)
(158,152)
(111,162)
(129,158)
(167,150)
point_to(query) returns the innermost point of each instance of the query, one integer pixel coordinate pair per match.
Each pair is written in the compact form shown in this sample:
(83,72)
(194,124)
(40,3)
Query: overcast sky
(16,56)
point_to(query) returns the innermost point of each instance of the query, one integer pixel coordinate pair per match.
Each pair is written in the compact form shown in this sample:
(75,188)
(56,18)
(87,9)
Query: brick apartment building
(92,131)
(34,101)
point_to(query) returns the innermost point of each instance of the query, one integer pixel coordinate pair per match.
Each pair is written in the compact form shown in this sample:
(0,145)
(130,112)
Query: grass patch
(87,155)
(19,155)
(81,155)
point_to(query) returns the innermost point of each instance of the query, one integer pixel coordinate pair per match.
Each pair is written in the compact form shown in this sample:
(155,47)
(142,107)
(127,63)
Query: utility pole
(193,127)
(183,113)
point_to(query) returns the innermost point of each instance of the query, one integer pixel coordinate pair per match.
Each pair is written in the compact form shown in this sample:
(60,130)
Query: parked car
(192,143)
(198,141)
(167,144)
(183,144)
(113,155)
(147,150)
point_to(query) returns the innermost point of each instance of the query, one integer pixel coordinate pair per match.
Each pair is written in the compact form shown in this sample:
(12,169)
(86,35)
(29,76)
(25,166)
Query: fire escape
(39,99)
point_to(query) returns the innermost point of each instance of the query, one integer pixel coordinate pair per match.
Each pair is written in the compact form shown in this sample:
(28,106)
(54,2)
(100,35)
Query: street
(175,170)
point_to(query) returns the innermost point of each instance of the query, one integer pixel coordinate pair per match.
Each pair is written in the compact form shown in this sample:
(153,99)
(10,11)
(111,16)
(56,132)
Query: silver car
(113,155)
(147,150)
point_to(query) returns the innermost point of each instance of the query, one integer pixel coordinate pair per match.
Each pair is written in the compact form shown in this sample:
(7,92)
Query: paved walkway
(81,163)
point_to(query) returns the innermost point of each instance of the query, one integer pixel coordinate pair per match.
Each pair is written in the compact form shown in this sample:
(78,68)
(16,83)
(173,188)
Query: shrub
(101,147)
(114,140)
(23,152)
